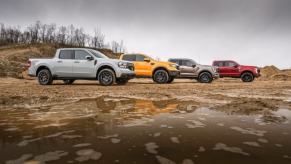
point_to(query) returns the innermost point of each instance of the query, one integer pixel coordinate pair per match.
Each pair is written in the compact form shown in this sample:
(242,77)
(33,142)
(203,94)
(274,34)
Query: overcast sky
(253,32)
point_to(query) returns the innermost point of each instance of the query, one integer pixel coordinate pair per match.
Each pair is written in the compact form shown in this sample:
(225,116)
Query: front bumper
(174,73)
(216,76)
(127,76)
(125,73)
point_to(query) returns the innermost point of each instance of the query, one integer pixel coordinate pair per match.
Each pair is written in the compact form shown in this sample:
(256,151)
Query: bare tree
(118,47)
(97,40)
(62,35)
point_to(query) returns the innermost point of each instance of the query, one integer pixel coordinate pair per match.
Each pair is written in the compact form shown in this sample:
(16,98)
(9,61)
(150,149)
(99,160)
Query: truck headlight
(256,70)
(122,64)
(174,65)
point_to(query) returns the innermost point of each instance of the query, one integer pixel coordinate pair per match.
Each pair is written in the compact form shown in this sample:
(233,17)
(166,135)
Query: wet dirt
(184,122)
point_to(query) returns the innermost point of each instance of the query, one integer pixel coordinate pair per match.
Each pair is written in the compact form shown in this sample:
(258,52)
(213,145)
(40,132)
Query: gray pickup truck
(70,64)
(192,70)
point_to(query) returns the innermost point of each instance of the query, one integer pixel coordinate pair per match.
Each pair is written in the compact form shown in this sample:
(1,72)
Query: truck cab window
(81,55)
(66,54)
(140,58)
(230,64)
(128,57)
(187,63)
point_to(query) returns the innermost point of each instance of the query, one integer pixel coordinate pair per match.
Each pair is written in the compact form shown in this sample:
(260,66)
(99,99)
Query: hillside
(14,58)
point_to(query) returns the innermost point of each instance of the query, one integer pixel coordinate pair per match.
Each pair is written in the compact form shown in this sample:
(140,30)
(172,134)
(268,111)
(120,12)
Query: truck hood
(118,60)
(162,62)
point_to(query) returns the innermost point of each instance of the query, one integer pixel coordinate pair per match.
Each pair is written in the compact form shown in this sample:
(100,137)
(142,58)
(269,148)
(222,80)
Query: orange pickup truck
(144,66)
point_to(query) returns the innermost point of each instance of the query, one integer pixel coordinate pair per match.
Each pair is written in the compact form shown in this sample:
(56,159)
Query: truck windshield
(98,54)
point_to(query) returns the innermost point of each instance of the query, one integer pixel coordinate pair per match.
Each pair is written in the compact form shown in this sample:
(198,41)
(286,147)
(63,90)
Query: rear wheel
(247,77)
(171,79)
(68,82)
(205,77)
(106,77)
(161,76)
(121,81)
(45,77)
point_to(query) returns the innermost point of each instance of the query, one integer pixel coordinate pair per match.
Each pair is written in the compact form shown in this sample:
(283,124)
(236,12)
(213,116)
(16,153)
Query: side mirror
(147,59)
(194,65)
(235,66)
(89,57)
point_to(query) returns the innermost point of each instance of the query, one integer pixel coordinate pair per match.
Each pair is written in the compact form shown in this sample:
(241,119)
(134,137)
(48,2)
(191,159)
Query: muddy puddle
(121,130)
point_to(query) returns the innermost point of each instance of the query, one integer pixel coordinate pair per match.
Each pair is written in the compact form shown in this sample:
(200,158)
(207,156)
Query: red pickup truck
(229,68)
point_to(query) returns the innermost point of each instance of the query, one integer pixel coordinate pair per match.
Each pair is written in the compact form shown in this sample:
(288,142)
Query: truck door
(231,69)
(187,69)
(63,65)
(142,68)
(82,67)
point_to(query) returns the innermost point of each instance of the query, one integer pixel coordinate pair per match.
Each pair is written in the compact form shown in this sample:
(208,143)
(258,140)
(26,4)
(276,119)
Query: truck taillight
(28,63)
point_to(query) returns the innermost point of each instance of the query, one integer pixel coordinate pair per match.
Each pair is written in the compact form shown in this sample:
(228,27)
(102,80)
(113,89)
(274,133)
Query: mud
(184,122)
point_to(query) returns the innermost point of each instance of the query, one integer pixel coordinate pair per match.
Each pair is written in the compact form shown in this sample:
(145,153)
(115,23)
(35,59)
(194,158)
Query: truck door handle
(76,62)
(59,61)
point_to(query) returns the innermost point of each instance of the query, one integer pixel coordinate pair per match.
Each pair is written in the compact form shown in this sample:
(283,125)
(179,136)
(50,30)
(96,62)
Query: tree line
(60,35)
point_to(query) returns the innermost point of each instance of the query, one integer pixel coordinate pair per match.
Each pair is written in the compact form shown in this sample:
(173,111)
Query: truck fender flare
(246,71)
(205,71)
(42,66)
(159,68)
(103,66)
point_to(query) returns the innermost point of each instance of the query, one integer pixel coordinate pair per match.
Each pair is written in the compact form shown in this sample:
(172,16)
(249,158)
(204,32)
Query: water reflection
(123,130)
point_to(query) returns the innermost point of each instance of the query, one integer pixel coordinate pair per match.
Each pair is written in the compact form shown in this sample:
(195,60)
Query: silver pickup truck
(191,70)
(70,64)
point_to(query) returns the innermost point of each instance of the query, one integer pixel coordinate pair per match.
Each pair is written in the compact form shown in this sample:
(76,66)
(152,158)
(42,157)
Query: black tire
(121,81)
(45,77)
(171,79)
(205,77)
(247,77)
(161,76)
(68,82)
(106,77)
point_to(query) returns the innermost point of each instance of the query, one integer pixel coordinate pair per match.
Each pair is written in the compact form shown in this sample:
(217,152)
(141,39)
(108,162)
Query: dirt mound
(269,71)
(13,58)
(287,71)
(281,77)
(275,74)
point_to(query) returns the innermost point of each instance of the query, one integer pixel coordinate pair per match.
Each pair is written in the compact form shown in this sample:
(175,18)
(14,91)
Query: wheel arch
(104,67)
(204,71)
(247,71)
(159,68)
(41,67)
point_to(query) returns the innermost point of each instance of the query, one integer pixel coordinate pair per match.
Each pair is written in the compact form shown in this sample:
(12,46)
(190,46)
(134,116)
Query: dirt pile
(275,74)
(13,59)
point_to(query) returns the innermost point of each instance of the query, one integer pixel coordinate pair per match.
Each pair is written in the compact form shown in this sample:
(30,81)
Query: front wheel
(205,77)
(68,82)
(247,77)
(161,77)
(121,81)
(45,77)
(106,77)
